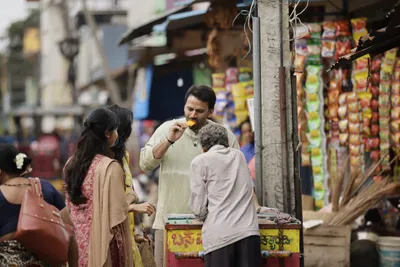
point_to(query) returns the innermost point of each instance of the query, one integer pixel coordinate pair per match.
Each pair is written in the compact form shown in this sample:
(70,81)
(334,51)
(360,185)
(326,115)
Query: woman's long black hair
(125,117)
(92,142)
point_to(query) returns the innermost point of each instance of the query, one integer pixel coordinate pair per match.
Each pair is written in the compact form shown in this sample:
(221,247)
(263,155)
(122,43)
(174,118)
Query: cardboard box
(308,202)
(326,245)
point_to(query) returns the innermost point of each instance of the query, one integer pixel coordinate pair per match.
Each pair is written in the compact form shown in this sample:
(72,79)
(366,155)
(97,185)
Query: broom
(365,179)
(365,200)
(347,195)
(338,188)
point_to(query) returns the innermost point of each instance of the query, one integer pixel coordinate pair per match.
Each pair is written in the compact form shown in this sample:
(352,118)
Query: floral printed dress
(82,216)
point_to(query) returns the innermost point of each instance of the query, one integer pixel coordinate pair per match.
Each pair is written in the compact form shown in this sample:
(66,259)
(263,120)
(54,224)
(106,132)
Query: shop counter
(280,244)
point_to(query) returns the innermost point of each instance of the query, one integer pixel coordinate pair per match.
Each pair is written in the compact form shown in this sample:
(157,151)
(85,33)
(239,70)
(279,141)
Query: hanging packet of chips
(359,26)
(342,28)
(315,30)
(343,47)
(329,30)
(328,49)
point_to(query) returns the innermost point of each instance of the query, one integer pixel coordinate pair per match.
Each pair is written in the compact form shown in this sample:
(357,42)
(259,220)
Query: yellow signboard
(190,240)
(31,41)
(270,240)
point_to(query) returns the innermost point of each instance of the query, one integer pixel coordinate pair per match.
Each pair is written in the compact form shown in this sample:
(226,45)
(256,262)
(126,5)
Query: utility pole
(277,155)
(110,83)
(278,143)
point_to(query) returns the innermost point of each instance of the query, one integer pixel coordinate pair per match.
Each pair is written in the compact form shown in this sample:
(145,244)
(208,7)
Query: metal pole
(296,161)
(257,109)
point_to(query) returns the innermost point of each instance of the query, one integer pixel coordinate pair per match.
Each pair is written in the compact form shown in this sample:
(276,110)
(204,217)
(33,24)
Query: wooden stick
(348,193)
(367,199)
(365,179)
(339,185)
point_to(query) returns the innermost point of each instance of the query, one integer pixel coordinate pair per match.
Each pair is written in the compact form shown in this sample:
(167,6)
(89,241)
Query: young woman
(13,165)
(121,154)
(96,196)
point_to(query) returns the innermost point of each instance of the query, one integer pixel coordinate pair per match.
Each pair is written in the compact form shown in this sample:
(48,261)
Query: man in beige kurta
(173,146)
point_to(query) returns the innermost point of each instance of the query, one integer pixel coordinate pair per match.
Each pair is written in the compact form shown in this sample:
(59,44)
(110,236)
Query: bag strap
(36,186)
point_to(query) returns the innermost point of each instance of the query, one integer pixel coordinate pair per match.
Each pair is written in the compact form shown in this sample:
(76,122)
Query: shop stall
(280,243)
(349,113)
(348,78)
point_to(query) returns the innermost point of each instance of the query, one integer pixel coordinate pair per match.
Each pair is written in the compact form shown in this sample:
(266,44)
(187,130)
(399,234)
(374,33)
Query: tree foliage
(18,65)
(16,31)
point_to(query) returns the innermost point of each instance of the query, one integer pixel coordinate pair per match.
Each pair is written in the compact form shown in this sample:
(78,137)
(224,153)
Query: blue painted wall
(117,56)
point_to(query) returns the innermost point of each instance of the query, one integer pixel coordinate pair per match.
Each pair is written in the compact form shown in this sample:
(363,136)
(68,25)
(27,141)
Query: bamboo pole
(111,85)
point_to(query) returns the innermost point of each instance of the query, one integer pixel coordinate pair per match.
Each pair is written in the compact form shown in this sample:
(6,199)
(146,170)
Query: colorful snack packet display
(329,30)
(342,28)
(343,47)
(359,26)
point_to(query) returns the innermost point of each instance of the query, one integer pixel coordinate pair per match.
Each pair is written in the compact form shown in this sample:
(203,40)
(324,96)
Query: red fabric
(117,247)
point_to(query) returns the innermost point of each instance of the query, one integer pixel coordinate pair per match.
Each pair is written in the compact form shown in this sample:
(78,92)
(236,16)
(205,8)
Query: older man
(222,197)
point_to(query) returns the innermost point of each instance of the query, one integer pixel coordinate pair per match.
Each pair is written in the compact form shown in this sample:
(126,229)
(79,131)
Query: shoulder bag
(41,229)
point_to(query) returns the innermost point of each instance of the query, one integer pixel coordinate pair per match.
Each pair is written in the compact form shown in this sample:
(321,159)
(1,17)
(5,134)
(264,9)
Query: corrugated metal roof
(165,20)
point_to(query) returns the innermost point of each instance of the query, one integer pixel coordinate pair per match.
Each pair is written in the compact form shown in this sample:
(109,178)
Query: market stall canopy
(147,27)
(378,41)
(186,19)
(181,20)
(173,19)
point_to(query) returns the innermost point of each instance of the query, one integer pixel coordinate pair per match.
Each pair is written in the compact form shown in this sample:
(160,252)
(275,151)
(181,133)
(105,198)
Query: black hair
(125,117)
(8,160)
(91,143)
(202,93)
(243,123)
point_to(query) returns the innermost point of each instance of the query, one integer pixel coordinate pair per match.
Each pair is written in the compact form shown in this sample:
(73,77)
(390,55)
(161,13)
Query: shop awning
(181,20)
(186,19)
(147,27)
(176,18)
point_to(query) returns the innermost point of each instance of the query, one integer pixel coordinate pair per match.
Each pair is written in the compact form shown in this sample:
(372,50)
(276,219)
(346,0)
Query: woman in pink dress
(96,199)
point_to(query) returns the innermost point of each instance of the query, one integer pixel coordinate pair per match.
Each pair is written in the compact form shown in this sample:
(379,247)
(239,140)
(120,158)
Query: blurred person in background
(151,194)
(140,186)
(222,197)
(122,156)
(7,138)
(148,130)
(96,197)
(14,165)
(247,140)
(173,146)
